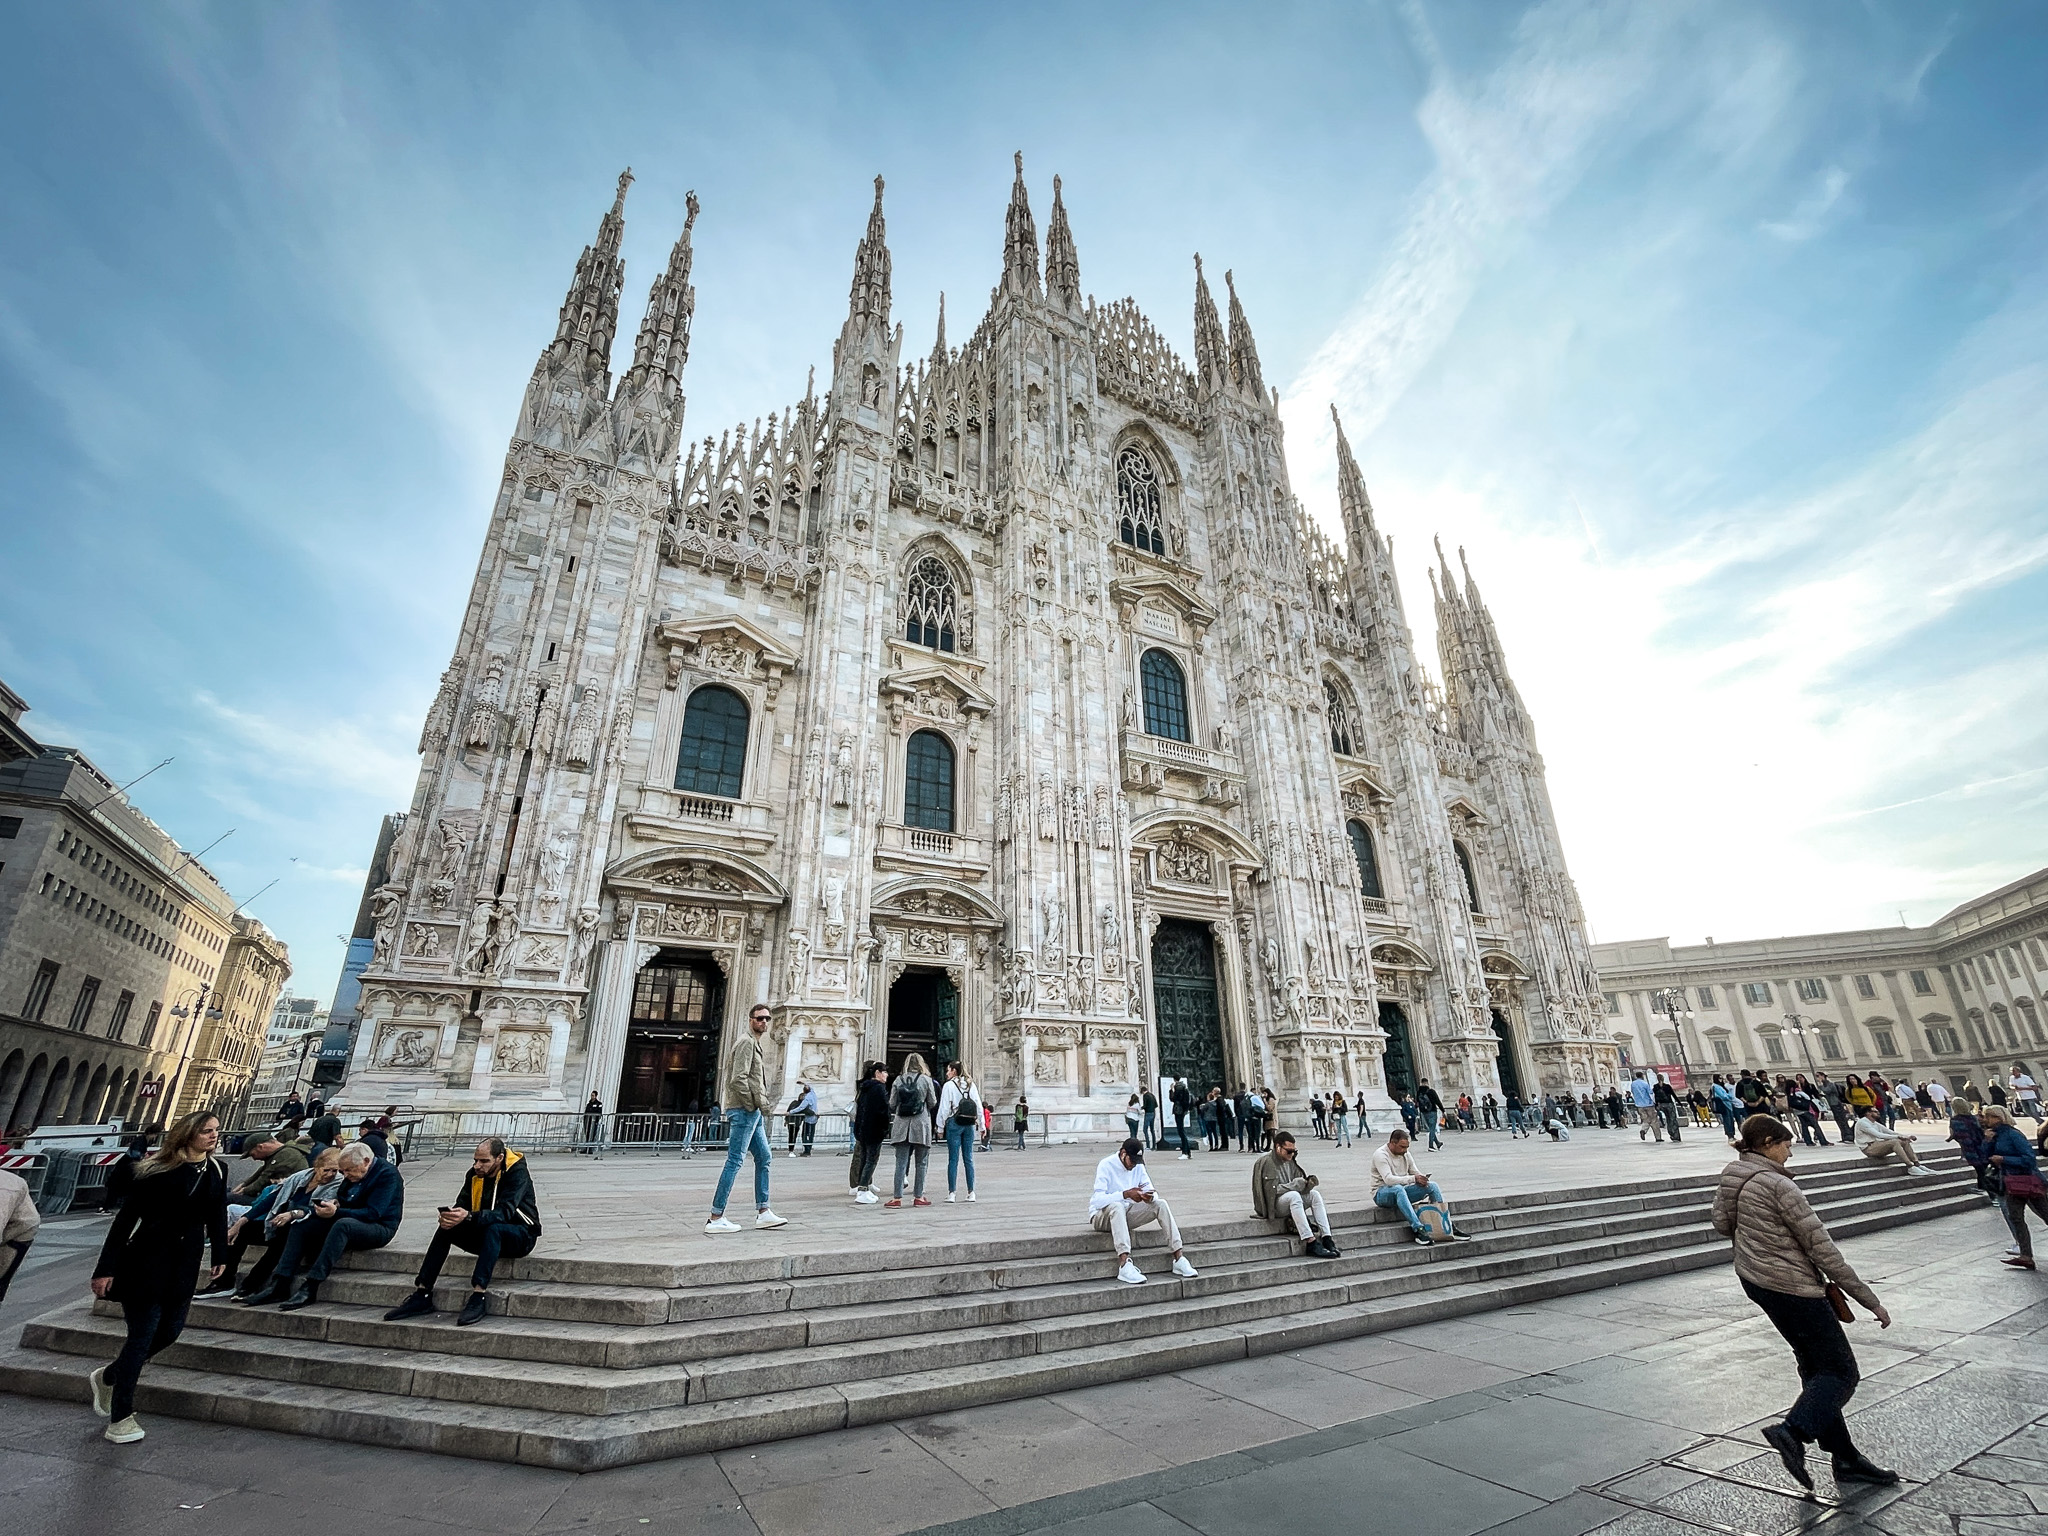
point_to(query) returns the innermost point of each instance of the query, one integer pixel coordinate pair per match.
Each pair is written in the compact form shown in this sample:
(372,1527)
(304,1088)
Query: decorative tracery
(1343,728)
(930,605)
(1139,521)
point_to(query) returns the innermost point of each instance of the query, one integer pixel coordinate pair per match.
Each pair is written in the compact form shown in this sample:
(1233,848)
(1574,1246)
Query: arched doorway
(12,1075)
(1510,1069)
(1185,1008)
(924,1016)
(1399,1062)
(671,1064)
(51,1110)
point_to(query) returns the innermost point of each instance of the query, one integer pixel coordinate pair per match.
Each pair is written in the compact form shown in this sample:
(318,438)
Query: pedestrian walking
(1721,1098)
(1644,1097)
(1807,1113)
(1789,1266)
(1020,1118)
(1252,1122)
(1429,1106)
(746,1099)
(2019,1180)
(960,1114)
(1517,1120)
(1226,1119)
(804,1114)
(2026,1094)
(911,1102)
(149,1262)
(1183,1104)
(19,1223)
(1318,1116)
(1150,1104)
(593,1122)
(1134,1115)
(1340,1118)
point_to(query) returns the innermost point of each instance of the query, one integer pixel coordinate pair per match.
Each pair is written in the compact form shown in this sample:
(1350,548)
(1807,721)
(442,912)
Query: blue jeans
(960,1141)
(1396,1197)
(1429,1119)
(749,1136)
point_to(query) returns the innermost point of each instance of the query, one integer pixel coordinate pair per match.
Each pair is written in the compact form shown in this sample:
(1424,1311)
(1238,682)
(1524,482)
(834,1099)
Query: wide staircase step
(596,1363)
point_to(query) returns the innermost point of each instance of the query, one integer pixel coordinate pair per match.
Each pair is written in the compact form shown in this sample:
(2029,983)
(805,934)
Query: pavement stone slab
(1542,1447)
(1322,1496)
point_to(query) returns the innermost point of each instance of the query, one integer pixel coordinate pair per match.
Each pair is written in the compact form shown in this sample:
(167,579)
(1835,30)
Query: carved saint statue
(1053,917)
(842,770)
(384,905)
(585,924)
(833,899)
(1112,930)
(799,962)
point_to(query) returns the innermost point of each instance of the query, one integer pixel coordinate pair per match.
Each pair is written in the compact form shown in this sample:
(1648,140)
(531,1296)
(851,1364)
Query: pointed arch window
(714,753)
(1166,697)
(1139,523)
(931,605)
(1368,860)
(928,782)
(1343,727)
(1465,869)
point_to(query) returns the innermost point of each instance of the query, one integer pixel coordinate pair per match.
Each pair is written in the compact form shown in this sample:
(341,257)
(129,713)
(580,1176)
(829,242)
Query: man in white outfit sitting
(1878,1141)
(1123,1199)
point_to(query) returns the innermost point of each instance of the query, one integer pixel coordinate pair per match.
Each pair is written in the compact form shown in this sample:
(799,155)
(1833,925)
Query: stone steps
(589,1369)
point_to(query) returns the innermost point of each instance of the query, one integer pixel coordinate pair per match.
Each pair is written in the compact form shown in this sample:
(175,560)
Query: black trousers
(490,1240)
(861,1172)
(1827,1365)
(154,1324)
(11,1255)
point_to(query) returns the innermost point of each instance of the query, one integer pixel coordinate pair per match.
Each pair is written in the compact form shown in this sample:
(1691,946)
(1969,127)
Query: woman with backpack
(871,1127)
(150,1260)
(960,1114)
(911,1103)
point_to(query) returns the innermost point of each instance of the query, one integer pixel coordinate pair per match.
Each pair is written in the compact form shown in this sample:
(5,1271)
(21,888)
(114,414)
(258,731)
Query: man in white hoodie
(1124,1198)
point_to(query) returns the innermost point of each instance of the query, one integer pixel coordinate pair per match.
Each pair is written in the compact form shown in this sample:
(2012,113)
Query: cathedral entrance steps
(583,1375)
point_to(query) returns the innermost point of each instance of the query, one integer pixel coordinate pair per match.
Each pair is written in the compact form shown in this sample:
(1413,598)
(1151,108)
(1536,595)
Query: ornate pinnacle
(1244,353)
(869,300)
(1212,354)
(1020,240)
(1062,264)
(590,314)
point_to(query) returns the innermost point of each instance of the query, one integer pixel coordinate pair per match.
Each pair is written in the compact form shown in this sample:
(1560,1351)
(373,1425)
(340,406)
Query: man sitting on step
(365,1214)
(494,1216)
(1397,1183)
(1878,1141)
(1124,1198)
(1283,1190)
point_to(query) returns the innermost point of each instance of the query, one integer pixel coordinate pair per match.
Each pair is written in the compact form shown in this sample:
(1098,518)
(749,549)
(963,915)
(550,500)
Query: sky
(1716,334)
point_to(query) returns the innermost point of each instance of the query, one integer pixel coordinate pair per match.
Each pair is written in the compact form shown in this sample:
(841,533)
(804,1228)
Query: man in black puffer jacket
(495,1216)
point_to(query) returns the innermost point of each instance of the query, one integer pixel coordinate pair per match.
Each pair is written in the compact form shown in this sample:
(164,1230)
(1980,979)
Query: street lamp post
(198,1013)
(1672,1003)
(1797,1022)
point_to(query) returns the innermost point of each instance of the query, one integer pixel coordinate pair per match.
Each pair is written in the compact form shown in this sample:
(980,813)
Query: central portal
(672,1042)
(924,1016)
(1400,1058)
(1188,1017)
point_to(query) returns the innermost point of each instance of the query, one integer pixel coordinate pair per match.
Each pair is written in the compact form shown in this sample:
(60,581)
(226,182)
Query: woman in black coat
(872,1123)
(150,1261)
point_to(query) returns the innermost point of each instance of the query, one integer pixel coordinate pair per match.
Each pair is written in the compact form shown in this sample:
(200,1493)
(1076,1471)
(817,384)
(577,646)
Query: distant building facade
(1961,999)
(123,963)
(344,1014)
(291,1049)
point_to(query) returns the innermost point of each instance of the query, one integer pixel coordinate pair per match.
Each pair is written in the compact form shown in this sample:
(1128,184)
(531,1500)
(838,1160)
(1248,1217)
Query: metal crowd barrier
(32,1168)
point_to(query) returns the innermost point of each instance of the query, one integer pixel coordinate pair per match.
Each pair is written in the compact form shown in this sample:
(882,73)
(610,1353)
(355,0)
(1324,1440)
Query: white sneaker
(1183,1268)
(769,1219)
(1130,1274)
(1921,1172)
(970,1197)
(952,1198)
(1187,1157)
(865,1197)
(127,1432)
(103,1394)
(720,1224)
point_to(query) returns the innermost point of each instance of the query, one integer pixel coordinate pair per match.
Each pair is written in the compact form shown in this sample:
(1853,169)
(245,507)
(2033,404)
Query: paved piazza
(1634,1410)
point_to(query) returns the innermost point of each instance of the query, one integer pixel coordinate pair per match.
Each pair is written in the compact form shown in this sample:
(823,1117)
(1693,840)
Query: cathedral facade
(1001,704)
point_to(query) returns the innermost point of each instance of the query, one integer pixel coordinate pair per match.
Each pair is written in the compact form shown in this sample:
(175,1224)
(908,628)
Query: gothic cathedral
(1001,705)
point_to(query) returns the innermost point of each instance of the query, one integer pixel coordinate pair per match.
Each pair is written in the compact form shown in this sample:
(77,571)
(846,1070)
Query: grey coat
(915,1129)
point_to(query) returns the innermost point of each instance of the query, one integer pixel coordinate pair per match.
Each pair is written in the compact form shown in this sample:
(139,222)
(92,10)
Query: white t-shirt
(1937,1093)
(1388,1169)
(1112,1178)
(2022,1086)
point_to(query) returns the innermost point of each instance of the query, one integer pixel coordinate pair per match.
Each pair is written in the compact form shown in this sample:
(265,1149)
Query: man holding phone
(1397,1184)
(494,1216)
(1124,1198)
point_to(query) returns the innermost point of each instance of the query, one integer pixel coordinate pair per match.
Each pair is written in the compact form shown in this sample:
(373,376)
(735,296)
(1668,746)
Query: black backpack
(909,1096)
(967,1111)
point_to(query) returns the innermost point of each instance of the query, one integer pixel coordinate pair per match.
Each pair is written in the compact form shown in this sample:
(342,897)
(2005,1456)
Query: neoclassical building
(999,703)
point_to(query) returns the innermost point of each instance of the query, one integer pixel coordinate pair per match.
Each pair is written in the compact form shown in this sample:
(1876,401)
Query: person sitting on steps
(1124,1198)
(1283,1190)
(1397,1183)
(364,1215)
(494,1216)
(1878,1141)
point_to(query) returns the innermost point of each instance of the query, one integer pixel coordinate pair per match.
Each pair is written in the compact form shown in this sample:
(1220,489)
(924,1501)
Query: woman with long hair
(960,1114)
(911,1103)
(2019,1181)
(1790,1267)
(150,1261)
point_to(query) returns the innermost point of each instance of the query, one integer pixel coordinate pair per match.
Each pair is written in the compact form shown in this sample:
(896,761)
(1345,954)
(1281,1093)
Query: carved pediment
(705,873)
(1200,829)
(936,690)
(1464,813)
(1362,785)
(1169,593)
(1505,966)
(728,646)
(922,899)
(1399,957)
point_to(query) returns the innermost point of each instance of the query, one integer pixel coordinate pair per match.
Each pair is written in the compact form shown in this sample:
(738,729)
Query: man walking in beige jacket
(19,1223)
(746,1100)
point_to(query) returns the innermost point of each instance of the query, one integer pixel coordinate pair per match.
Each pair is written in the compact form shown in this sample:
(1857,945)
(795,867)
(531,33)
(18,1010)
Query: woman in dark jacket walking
(1787,1264)
(871,1126)
(150,1261)
(2019,1180)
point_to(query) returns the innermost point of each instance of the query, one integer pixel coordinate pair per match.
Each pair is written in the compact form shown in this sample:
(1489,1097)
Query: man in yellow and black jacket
(493,1217)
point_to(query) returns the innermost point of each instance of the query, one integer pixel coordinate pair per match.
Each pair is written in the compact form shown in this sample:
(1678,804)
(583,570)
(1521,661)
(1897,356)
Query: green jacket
(1272,1178)
(281,1164)
(746,1074)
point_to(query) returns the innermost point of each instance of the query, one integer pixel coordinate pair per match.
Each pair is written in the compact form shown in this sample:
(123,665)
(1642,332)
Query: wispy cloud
(1816,210)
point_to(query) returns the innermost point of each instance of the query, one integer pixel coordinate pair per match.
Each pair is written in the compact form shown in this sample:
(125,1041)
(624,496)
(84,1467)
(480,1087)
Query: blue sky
(1717,334)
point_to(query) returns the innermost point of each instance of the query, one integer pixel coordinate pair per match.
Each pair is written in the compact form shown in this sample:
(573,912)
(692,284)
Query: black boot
(1330,1250)
(418,1304)
(1858,1468)
(304,1294)
(1791,1451)
(274,1290)
(475,1310)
